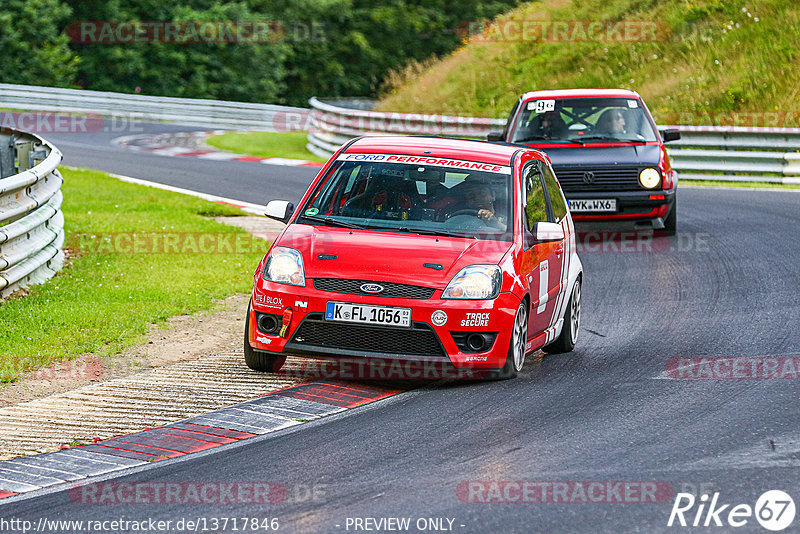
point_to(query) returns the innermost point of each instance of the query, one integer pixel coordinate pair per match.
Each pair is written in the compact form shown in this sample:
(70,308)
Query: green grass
(722,183)
(709,57)
(290,145)
(104,301)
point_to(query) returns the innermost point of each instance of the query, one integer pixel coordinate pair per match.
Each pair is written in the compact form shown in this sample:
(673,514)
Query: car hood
(386,256)
(602,156)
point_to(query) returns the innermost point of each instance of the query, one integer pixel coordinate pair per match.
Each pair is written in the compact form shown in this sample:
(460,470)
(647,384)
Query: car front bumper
(310,334)
(631,205)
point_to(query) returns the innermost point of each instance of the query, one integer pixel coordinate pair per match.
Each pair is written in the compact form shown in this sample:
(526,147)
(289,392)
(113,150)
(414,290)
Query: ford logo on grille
(371,288)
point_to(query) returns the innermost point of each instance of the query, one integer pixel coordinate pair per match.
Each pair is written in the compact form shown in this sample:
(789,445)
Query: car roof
(465,149)
(580,93)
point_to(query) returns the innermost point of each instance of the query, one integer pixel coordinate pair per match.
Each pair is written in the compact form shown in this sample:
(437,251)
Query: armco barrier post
(31,221)
(7,155)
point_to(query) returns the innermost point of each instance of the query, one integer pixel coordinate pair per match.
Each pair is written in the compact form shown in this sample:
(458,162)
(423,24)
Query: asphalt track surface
(727,286)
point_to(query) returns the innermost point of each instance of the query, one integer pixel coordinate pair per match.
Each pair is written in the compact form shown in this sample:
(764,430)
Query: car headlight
(476,282)
(649,178)
(285,266)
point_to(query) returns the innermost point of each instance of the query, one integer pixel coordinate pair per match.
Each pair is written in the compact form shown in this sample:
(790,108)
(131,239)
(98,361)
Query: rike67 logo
(774,510)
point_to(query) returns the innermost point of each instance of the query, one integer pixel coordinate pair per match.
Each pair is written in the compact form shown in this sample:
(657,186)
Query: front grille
(614,178)
(390,289)
(419,340)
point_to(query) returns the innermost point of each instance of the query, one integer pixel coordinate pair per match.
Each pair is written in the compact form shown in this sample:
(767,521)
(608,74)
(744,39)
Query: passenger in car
(611,122)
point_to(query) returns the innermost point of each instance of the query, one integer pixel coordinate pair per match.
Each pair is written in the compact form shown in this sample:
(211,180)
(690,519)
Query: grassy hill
(694,62)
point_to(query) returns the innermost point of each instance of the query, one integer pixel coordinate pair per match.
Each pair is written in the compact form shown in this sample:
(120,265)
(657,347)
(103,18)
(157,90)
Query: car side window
(557,202)
(535,204)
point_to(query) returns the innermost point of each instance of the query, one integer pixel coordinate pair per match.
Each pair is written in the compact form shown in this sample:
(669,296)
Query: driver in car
(480,197)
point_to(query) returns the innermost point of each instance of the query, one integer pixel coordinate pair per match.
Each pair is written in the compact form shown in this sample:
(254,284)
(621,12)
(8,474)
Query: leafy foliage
(33,49)
(322,47)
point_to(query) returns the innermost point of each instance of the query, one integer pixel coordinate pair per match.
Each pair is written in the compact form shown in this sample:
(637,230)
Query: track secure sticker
(476,319)
(439,318)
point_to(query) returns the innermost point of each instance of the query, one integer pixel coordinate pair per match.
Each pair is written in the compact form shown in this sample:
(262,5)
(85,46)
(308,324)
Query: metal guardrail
(332,125)
(737,154)
(703,153)
(189,111)
(31,222)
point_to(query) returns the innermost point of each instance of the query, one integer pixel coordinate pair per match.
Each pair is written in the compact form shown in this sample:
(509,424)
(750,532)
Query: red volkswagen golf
(606,151)
(420,249)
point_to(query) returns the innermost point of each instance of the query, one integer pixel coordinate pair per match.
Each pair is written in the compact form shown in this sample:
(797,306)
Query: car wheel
(258,360)
(671,222)
(515,358)
(572,324)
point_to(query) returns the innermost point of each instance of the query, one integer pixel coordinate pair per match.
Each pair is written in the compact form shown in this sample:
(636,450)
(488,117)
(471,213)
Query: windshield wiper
(540,138)
(440,233)
(632,141)
(333,222)
(581,140)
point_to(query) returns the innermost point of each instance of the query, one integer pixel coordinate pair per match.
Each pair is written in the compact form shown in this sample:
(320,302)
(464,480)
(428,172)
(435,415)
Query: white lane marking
(256,209)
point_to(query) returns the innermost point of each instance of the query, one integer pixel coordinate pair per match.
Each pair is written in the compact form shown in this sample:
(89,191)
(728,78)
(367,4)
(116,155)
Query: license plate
(597,204)
(364,313)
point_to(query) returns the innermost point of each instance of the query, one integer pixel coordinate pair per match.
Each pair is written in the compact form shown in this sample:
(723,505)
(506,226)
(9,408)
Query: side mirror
(670,135)
(547,231)
(494,136)
(280,210)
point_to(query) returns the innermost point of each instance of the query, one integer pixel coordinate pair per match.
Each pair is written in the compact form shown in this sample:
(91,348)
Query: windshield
(583,120)
(425,195)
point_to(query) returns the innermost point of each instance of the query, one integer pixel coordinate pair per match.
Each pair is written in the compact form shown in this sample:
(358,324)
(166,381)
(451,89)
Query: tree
(34,51)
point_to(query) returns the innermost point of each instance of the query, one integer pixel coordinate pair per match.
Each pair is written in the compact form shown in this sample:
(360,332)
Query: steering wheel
(466,211)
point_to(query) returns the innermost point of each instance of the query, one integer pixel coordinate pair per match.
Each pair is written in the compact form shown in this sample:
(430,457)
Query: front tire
(572,324)
(671,222)
(515,358)
(258,360)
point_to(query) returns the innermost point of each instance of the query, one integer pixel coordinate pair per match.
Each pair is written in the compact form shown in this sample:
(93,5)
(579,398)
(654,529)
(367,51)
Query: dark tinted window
(585,120)
(556,198)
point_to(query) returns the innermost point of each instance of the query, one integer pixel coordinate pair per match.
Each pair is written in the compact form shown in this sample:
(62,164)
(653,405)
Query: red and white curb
(274,411)
(154,144)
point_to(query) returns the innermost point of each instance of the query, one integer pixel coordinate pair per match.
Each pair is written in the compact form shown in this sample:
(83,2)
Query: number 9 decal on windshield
(540,106)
